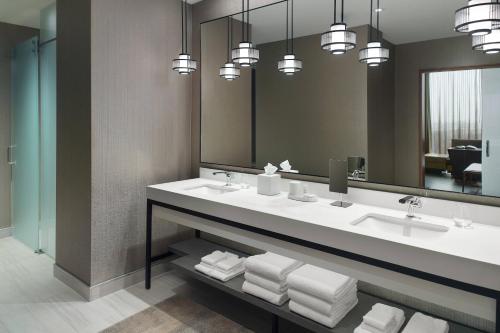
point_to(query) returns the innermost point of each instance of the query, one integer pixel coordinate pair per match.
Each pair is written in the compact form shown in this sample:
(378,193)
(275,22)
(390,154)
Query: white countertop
(468,255)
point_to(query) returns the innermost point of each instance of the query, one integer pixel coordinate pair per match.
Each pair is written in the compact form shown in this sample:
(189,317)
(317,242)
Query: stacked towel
(382,319)
(266,275)
(421,323)
(222,266)
(321,295)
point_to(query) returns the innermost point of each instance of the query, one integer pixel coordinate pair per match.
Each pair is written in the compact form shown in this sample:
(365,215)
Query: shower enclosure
(33,137)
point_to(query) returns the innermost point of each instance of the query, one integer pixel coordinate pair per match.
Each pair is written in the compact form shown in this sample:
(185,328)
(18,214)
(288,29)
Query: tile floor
(33,301)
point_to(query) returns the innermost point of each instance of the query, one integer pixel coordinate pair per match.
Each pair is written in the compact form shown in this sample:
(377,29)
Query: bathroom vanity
(367,242)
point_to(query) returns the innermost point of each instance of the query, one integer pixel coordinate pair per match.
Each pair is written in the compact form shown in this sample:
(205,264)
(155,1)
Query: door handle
(487,148)
(10,154)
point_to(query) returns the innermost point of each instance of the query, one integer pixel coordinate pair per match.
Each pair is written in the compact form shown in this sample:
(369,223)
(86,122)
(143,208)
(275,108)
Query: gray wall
(124,122)
(140,125)
(315,115)
(10,35)
(410,60)
(73,214)
(226,135)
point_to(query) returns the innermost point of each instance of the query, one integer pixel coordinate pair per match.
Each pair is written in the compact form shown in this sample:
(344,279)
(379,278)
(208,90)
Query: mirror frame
(200,18)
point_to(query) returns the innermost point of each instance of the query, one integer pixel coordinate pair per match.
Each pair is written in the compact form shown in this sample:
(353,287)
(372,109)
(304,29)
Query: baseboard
(5,232)
(91,293)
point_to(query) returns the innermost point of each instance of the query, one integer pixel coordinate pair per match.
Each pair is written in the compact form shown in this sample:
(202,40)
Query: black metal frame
(474,289)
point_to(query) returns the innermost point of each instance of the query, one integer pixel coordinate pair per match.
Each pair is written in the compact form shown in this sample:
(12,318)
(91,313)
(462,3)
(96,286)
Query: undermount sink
(409,227)
(211,189)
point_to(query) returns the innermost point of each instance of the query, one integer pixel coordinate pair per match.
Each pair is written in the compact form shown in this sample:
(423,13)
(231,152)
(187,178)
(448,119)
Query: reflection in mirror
(401,123)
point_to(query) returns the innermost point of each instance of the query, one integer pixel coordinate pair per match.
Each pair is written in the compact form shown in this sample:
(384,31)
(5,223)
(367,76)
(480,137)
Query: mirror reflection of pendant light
(245,54)
(338,40)
(489,44)
(290,64)
(478,18)
(374,54)
(184,65)
(229,71)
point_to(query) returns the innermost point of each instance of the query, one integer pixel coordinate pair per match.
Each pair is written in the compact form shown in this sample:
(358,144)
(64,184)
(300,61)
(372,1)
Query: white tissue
(286,166)
(270,169)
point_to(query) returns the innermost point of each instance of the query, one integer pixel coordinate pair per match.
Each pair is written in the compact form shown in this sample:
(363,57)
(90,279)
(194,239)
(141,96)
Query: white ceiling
(22,12)
(402,21)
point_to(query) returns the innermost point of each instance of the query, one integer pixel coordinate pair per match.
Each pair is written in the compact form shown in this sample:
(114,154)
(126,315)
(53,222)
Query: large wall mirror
(429,117)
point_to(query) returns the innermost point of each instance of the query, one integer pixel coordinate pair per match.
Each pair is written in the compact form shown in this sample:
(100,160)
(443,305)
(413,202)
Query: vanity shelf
(191,252)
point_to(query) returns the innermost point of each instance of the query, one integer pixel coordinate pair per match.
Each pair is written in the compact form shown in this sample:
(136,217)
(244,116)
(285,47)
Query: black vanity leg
(497,320)
(276,324)
(149,227)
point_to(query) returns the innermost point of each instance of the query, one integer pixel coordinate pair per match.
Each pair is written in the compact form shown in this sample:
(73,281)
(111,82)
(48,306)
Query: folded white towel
(275,287)
(318,317)
(319,282)
(216,274)
(272,266)
(229,264)
(382,319)
(216,256)
(277,299)
(421,323)
(321,306)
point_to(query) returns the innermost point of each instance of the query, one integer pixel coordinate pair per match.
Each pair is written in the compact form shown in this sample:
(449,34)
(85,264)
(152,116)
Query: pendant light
(478,18)
(374,54)
(184,65)
(229,71)
(290,64)
(489,44)
(338,40)
(245,54)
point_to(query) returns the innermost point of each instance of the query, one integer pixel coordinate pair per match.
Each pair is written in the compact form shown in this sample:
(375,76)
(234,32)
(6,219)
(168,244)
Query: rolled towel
(318,317)
(271,266)
(319,282)
(376,320)
(277,299)
(230,264)
(275,287)
(421,323)
(319,305)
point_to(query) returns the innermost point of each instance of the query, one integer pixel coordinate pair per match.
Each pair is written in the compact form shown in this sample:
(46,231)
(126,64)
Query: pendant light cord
(242,20)
(378,20)
(292,26)
(287,43)
(342,12)
(371,19)
(334,11)
(182,26)
(248,21)
(228,38)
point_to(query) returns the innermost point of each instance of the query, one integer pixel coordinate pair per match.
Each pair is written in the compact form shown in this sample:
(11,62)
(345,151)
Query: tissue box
(268,184)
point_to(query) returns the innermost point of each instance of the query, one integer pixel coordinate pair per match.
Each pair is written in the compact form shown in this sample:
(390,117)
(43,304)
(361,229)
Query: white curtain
(454,108)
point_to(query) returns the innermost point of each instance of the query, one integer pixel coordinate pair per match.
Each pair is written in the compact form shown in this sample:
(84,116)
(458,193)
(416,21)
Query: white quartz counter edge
(468,255)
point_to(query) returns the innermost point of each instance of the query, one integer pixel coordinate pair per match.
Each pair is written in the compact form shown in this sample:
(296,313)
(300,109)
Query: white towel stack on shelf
(321,295)
(421,323)
(382,319)
(266,275)
(222,266)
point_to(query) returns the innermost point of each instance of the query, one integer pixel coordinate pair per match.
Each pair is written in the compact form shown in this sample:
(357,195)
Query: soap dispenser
(338,181)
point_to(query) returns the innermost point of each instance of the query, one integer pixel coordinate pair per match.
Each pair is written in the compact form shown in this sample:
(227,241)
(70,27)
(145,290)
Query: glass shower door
(25,141)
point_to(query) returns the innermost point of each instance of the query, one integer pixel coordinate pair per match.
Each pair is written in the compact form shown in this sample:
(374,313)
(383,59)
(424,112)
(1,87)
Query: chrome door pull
(10,159)
(487,148)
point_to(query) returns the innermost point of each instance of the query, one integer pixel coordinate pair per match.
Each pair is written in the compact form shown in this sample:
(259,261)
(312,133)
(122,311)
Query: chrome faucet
(229,176)
(412,202)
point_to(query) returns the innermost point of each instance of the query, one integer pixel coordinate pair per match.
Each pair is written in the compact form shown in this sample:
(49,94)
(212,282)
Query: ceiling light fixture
(184,65)
(338,40)
(245,54)
(374,54)
(229,71)
(489,44)
(478,18)
(290,64)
